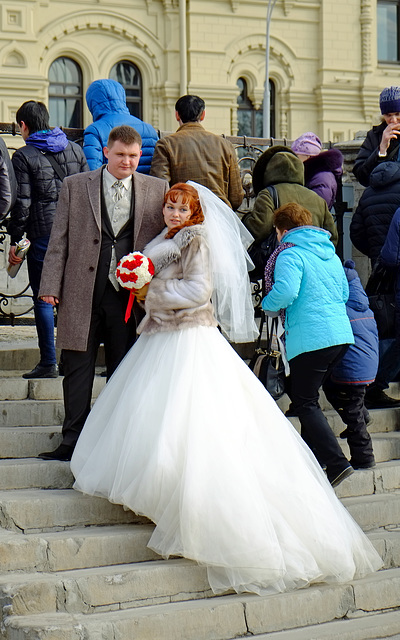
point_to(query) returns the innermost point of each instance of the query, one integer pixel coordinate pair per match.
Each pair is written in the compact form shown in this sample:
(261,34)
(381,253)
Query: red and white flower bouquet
(133,272)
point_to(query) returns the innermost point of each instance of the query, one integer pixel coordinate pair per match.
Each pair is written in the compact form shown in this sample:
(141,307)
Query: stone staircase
(73,567)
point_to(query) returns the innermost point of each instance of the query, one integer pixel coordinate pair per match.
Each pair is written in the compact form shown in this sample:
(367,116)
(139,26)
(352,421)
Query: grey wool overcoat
(72,257)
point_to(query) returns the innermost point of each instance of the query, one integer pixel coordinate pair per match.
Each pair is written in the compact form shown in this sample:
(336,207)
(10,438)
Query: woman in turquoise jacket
(309,283)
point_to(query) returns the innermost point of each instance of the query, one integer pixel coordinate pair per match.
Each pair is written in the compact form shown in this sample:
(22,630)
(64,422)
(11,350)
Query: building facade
(328,60)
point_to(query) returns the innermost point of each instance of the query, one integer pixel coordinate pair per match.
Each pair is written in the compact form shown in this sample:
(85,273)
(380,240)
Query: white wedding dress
(185,434)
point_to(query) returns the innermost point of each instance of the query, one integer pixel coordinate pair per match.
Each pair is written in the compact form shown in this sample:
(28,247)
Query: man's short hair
(34,115)
(124,133)
(190,108)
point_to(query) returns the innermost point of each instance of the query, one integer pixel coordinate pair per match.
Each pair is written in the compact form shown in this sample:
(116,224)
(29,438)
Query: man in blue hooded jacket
(40,167)
(106,101)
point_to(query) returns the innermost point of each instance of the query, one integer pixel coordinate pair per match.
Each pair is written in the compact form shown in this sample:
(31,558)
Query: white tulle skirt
(185,434)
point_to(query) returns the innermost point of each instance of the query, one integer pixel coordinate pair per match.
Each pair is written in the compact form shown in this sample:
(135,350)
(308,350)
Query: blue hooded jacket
(106,100)
(52,140)
(360,362)
(311,285)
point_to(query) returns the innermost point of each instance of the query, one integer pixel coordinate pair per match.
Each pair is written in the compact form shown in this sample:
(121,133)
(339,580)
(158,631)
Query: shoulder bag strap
(274,195)
(56,166)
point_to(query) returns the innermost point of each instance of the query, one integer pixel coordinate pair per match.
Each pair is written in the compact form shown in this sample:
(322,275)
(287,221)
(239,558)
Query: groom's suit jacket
(72,258)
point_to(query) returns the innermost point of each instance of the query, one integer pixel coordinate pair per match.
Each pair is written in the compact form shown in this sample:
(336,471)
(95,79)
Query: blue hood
(312,239)
(384,174)
(104,97)
(51,140)
(358,299)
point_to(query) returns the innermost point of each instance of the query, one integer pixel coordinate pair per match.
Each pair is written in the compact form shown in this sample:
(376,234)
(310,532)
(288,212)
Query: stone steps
(136,584)
(39,510)
(106,545)
(383,625)
(36,510)
(219,618)
(28,442)
(77,567)
(34,473)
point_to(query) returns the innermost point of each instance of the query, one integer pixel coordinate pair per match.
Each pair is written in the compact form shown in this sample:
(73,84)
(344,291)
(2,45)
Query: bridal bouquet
(133,272)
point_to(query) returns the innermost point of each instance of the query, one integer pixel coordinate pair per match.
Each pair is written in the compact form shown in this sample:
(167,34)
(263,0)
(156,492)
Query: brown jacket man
(192,153)
(101,216)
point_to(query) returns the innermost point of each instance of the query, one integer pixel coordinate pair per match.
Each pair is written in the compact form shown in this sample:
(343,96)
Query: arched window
(388,22)
(127,74)
(65,93)
(250,120)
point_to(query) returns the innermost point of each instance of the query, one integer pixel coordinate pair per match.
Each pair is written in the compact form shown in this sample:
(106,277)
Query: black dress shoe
(341,476)
(378,399)
(63,452)
(42,372)
(363,465)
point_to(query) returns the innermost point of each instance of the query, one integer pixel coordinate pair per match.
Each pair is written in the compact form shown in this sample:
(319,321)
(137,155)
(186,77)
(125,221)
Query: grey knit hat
(389,100)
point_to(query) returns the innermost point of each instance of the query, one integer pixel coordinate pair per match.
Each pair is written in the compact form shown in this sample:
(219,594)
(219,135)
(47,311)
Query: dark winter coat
(106,101)
(38,184)
(321,174)
(372,218)
(360,362)
(279,166)
(8,183)
(367,158)
(390,255)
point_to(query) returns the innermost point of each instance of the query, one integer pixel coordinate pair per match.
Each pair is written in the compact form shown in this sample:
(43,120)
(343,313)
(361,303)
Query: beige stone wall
(322,57)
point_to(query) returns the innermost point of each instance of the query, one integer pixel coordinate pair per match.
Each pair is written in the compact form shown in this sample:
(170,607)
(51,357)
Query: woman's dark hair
(34,115)
(190,197)
(292,215)
(190,108)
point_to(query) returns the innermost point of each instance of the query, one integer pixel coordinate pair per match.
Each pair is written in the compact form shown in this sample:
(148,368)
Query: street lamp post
(267,105)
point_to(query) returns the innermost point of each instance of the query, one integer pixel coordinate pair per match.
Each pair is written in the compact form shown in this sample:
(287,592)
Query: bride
(185,434)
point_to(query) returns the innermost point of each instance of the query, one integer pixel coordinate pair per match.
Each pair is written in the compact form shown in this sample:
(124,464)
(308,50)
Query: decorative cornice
(254,44)
(101,22)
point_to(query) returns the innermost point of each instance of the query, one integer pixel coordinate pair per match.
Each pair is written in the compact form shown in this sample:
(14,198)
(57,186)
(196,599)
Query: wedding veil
(228,240)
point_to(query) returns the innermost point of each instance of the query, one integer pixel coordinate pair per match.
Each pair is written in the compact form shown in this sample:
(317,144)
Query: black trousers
(348,401)
(308,372)
(107,326)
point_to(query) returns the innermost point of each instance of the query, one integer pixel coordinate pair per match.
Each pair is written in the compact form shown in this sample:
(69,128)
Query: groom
(101,216)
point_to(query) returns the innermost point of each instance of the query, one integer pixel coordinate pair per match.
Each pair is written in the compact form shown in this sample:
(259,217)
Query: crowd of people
(214,442)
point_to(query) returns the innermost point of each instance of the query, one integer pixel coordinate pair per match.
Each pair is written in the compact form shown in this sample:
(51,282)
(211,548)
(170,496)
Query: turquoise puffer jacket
(106,101)
(310,283)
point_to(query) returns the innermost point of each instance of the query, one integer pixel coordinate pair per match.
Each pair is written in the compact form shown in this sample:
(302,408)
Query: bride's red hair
(190,197)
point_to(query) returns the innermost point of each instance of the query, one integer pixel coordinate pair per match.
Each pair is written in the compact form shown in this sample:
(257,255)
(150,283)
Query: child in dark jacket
(345,389)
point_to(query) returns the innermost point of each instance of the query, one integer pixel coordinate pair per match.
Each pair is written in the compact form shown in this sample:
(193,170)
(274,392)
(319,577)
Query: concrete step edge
(369,627)
(219,618)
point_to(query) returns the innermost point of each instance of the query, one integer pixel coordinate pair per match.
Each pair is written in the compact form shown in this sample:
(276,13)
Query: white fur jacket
(180,291)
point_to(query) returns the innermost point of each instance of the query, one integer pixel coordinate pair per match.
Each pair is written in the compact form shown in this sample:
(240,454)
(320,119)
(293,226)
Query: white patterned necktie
(119,190)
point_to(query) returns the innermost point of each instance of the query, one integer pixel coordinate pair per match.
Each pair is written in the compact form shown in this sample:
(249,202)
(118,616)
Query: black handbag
(267,364)
(380,290)
(260,250)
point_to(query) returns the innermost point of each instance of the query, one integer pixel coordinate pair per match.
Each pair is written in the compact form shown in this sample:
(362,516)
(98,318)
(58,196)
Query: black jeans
(308,372)
(348,401)
(107,325)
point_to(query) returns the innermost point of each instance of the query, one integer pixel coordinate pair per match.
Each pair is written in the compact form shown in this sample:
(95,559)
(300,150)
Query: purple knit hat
(307,144)
(389,100)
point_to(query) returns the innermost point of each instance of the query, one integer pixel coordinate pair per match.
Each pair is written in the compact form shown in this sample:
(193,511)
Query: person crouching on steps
(345,389)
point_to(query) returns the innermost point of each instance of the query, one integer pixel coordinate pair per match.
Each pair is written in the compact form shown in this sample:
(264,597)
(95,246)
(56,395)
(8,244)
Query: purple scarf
(269,272)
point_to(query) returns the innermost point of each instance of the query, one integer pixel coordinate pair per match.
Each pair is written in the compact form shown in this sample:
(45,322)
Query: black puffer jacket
(39,186)
(367,158)
(377,205)
(8,183)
